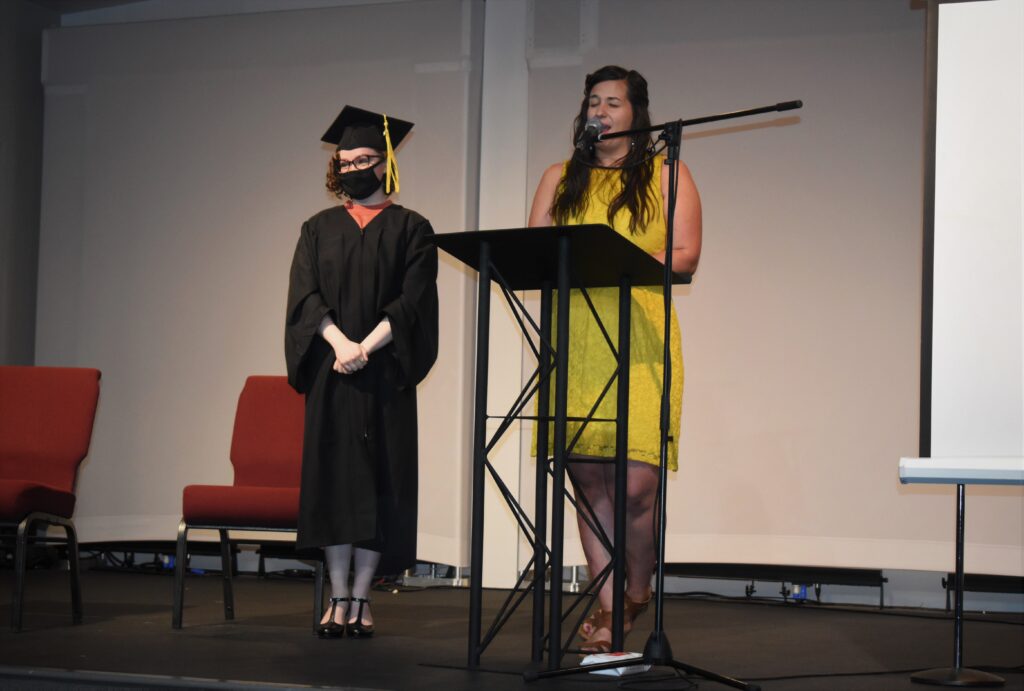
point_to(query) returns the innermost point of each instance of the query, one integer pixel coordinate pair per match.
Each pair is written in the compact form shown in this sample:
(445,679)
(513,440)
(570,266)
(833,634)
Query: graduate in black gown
(360,334)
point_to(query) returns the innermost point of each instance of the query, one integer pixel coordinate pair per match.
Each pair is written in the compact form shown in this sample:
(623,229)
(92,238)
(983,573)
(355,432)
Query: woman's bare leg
(641,497)
(597,483)
(589,480)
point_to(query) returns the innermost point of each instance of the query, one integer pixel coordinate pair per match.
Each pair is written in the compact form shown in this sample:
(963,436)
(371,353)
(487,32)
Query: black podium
(553,260)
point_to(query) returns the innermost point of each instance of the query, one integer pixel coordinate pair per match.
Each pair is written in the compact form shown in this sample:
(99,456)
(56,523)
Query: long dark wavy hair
(635,171)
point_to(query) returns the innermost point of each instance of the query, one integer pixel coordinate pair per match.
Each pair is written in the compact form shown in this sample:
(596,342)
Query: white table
(961,472)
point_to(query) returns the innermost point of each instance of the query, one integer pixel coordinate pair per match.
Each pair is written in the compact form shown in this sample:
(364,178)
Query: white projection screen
(978,347)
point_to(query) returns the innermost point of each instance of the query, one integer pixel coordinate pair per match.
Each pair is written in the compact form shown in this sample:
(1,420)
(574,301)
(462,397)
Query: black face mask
(360,184)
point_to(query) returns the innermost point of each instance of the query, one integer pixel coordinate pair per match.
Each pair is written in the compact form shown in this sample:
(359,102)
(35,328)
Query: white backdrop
(181,158)
(182,155)
(801,331)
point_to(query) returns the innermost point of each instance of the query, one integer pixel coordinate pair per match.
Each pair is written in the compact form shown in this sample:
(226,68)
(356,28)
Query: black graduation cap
(355,127)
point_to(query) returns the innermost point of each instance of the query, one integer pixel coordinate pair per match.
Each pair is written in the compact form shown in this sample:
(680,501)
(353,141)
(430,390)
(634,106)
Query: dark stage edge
(43,678)
(126,641)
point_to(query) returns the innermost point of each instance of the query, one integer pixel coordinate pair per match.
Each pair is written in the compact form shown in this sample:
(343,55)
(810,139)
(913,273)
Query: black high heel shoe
(357,629)
(331,628)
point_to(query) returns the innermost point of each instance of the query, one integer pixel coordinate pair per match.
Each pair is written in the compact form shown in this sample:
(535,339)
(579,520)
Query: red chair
(266,452)
(46,419)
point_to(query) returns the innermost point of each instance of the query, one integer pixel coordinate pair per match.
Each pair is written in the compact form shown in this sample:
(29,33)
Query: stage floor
(421,641)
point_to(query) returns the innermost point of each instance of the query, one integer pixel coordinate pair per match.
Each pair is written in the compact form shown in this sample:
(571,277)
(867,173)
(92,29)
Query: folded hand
(349,357)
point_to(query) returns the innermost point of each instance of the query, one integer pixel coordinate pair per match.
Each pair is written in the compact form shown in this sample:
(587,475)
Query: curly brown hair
(334,177)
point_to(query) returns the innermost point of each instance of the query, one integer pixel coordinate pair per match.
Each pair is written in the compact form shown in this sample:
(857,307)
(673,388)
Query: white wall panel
(182,155)
(181,158)
(801,330)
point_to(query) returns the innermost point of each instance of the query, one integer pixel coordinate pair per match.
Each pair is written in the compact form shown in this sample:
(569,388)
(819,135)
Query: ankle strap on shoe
(341,599)
(360,599)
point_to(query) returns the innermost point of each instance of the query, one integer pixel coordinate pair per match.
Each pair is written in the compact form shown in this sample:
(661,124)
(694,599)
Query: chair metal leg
(318,594)
(181,555)
(20,559)
(225,560)
(228,568)
(21,564)
(75,574)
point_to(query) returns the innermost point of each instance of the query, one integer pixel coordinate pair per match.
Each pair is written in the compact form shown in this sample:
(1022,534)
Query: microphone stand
(658,651)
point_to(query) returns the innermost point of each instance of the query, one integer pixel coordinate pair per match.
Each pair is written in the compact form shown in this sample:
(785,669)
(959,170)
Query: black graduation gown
(359,456)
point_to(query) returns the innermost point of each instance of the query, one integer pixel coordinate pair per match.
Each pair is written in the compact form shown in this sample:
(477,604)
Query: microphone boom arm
(778,107)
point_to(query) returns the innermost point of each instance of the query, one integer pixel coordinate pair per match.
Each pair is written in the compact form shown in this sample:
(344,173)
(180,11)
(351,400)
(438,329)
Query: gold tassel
(392,164)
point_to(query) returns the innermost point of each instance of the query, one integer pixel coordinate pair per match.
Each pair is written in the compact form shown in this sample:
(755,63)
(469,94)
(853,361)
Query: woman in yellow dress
(622,183)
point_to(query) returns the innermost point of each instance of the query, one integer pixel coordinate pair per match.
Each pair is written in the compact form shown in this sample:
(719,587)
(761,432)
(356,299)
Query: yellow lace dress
(591,363)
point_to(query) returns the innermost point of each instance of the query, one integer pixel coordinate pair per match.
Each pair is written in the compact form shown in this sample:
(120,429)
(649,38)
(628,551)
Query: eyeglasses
(358,163)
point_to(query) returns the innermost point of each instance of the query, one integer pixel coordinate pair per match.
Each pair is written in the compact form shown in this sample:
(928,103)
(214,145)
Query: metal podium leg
(540,504)
(621,449)
(558,482)
(483,317)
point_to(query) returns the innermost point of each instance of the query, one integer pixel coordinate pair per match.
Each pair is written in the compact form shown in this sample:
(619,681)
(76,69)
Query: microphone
(590,134)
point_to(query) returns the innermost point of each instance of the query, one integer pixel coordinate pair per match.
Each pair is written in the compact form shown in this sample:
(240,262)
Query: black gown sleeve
(413,315)
(304,349)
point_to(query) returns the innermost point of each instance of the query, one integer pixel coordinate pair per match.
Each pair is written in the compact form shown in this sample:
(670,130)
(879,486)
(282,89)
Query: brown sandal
(599,620)
(589,624)
(631,609)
